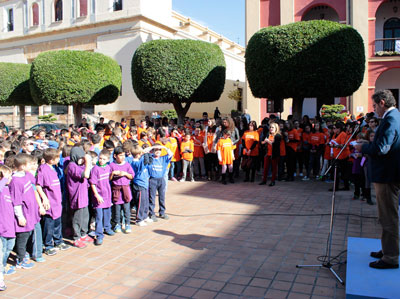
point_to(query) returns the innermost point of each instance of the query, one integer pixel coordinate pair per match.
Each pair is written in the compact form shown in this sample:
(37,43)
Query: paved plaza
(220,242)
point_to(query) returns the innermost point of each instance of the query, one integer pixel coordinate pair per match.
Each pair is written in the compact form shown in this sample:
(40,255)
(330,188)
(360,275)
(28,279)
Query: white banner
(397,46)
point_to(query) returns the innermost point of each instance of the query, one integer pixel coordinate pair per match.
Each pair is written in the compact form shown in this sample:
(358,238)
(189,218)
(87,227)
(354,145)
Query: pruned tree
(321,59)
(179,72)
(14,87)
(75,78)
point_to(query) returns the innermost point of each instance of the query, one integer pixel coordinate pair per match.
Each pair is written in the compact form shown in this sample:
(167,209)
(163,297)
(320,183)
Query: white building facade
(115,28)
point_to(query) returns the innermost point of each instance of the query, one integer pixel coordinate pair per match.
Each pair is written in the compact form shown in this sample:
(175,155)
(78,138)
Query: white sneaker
(148,220)
(182,180)
(192,180)
(141,223)
(306,178)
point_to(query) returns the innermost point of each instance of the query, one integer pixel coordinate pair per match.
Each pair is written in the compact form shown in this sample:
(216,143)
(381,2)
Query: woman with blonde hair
(274,145)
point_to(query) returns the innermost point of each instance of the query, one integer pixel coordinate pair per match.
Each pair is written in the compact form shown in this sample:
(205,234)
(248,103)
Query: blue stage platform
(363,281)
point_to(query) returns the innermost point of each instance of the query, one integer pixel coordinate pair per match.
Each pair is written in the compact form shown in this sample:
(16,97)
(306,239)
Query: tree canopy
(305,59)
(178,72)
(75,78)
(14,84)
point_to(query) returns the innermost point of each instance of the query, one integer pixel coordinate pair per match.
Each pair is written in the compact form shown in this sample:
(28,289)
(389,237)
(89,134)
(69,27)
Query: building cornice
(205,30)
(136,18)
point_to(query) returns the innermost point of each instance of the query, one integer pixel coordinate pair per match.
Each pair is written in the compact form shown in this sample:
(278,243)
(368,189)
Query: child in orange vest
(226,156)
(187,149)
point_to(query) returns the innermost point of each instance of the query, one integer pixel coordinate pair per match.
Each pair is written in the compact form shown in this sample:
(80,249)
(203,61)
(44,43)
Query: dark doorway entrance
(395,93)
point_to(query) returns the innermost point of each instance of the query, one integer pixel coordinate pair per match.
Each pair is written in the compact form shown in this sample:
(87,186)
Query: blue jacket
(384,151)
(159,166)
(141,170)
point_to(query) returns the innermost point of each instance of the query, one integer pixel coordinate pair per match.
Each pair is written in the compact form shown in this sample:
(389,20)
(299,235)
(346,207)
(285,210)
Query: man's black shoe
(377,254)
(379,264)
(263,183)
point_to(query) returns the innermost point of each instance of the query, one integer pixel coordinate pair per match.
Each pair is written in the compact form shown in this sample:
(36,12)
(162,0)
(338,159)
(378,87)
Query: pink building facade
(378,22)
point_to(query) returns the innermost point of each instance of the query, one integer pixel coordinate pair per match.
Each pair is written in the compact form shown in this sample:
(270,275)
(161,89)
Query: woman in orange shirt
(306,149)
(274,145)
(198,154)
(291,149)
(226,156)
(339,139)
(176,157)
(250,145)
(210,159)
(317,141)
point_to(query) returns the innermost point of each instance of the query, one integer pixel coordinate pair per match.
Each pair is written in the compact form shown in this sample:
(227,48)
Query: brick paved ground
(220,242)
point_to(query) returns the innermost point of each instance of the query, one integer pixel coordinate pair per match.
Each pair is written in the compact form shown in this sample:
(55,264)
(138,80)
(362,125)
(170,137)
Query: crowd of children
(84,182)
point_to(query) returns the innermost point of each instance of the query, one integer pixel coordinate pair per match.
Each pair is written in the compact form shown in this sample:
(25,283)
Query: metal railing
(387,46)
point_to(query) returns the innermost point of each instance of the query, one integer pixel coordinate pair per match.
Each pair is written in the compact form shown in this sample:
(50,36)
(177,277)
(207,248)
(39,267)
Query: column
(359,21)
(287,11)
(70,116)
(251,103)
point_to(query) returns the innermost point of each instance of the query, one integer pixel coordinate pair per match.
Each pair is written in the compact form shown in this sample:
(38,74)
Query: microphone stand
(327,263)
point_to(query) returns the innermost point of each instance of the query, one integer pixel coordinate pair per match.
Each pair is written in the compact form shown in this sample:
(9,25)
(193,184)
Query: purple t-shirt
(121,181)
(7,218)
(47,179)
(100,177)
(77,186)
(22,194)
(66,162)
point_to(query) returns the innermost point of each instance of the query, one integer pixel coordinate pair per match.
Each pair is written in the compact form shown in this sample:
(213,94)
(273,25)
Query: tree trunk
(78,113)
(181,111)
(22,117)
(297,108)
(324,101)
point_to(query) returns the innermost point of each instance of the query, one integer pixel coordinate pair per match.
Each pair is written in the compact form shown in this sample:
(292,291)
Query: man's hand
(42,211)
(21,221)
(100,199)
(46,204)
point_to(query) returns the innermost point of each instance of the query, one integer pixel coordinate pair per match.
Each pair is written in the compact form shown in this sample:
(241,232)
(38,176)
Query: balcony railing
(387,47)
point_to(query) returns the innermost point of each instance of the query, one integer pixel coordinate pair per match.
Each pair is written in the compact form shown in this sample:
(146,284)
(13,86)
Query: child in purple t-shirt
(7,220)
(26,208)
(100,184)
(49,189)
(121,176)
(78,172)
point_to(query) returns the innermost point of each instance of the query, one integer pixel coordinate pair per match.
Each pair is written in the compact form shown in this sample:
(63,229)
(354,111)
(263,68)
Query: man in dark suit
(384,154)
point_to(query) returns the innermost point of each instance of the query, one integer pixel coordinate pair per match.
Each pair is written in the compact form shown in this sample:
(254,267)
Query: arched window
(391,29)
(35,14)
(58,9)
(83,8)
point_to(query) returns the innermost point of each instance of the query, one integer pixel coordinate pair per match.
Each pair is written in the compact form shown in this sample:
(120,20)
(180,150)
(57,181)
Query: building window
(35,14)
(117,5)
(59,109)
(58,9)
(83,8)
(10,20)
(391,31)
